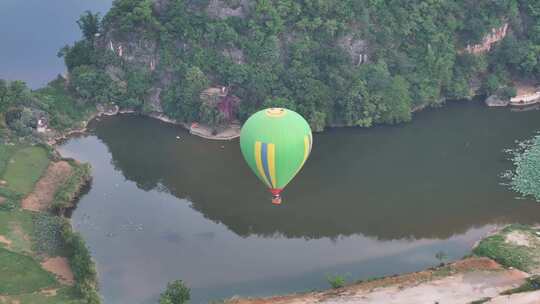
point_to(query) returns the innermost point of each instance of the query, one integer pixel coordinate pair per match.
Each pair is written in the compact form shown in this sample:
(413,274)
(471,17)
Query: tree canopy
(337,62)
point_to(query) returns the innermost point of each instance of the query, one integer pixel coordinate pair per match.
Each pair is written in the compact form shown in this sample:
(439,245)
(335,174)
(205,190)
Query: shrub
(82,265)
(531,284)
(176,293)
(68,191)
(336,281)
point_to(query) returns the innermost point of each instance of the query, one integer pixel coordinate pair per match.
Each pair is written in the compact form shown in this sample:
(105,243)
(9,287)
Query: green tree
(89,24)
(280,103)
(183,101)
(81,53)
(210,114)
(92,85)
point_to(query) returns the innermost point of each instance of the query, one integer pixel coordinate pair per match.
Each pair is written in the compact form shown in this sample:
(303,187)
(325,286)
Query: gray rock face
(154,100)
(160,6)
(496,101)
(233,8)
(140,52)
(235,54)
(356,48)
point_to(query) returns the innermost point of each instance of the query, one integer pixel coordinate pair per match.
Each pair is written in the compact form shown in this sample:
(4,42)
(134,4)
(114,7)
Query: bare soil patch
(2,200)
(41,198)
(518,238)
(6,300)
(5,240)
(50,292)
(60,267)
(19,232)
(525,87)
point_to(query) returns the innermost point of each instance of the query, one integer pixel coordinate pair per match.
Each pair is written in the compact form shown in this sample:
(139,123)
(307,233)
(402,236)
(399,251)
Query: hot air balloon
(276,143)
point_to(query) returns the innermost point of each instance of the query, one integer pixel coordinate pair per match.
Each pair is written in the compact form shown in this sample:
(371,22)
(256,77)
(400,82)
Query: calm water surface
(368,203)
(32,32)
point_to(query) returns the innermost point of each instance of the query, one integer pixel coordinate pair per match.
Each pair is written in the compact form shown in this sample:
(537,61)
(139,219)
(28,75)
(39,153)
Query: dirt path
(50,292)
(461,282)
(41,198)
(60,267)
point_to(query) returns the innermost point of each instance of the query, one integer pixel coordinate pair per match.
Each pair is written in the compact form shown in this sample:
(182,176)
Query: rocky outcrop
(496,35)
(232,8)
(139,51)
(154,100)
(235,54)
(496,101)
(355,47)
(526,98)
(136,51)
(160,6)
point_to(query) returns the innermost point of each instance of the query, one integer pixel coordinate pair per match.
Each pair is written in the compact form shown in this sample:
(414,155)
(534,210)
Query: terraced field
(27,239)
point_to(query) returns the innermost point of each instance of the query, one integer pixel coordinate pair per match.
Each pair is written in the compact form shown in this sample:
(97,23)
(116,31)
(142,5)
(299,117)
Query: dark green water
(369,202)
(32,32)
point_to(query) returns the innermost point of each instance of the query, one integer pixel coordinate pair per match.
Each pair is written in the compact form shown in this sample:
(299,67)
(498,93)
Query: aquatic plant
(47,234)
(525,178)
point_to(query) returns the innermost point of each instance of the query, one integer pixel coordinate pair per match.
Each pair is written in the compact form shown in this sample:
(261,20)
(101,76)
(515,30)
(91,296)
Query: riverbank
(42,259)
(229,132)
(504,268)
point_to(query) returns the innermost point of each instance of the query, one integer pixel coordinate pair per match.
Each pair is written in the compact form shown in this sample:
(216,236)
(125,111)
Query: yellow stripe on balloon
(272,163)
(306,149)
(258,161)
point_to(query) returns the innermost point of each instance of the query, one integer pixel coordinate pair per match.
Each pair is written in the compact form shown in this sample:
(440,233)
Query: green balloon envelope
(276,143)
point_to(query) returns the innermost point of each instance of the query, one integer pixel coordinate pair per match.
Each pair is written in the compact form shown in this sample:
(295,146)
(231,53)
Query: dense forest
(337,62)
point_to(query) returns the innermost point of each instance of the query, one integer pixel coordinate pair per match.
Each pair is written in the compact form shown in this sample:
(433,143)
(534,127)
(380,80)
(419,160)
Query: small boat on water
(525,100)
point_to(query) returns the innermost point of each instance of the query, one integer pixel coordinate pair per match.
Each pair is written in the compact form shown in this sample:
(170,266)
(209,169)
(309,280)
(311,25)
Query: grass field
(24,168)
(523,254)
(21,274)
(5,154)
(17,226)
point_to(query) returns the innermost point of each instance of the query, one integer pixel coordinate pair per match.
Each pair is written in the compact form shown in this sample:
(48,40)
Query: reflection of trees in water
(341,200)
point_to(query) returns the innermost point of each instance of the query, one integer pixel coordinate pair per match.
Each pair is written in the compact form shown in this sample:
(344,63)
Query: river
(369,202)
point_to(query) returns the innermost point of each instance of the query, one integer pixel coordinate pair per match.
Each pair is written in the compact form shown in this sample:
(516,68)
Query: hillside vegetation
(337,62)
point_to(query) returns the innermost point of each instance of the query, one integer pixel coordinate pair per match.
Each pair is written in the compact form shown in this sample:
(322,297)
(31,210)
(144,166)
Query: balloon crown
(276,112)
